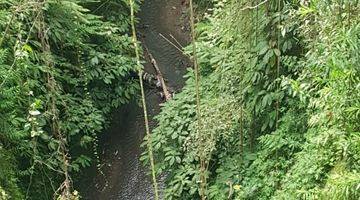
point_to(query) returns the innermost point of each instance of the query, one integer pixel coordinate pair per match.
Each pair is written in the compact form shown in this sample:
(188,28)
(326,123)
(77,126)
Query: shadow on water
(120,144)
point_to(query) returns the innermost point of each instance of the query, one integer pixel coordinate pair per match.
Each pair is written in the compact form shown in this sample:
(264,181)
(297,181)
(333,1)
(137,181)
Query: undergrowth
(279,103)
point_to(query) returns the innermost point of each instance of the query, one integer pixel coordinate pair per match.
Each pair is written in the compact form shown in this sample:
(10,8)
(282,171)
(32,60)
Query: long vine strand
(140,72)
(197,91)
(65,187)
(95,142)
(7,27)
(278,63)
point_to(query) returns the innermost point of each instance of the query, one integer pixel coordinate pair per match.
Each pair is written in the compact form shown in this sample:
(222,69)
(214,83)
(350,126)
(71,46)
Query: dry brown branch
(159,74)
(253,7)
(167,40)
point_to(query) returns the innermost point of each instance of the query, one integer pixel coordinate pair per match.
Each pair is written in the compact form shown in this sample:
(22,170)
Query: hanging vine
(64,190)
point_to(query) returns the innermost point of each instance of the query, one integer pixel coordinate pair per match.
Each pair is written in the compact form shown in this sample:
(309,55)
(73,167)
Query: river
(120,144)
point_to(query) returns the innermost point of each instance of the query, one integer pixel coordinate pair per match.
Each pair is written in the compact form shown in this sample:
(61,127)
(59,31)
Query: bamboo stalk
(146,120)
(203,162)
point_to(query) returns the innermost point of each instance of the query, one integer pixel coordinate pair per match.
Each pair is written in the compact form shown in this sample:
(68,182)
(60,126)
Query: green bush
(64,65)
(279,104)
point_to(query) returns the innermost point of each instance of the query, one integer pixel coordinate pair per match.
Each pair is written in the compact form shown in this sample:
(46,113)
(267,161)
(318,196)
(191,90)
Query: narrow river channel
(120,145)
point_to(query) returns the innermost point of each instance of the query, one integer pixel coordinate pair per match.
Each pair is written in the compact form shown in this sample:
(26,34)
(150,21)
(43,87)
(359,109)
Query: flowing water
(120,144)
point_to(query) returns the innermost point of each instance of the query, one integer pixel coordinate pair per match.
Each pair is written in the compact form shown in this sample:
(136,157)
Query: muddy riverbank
(163,25)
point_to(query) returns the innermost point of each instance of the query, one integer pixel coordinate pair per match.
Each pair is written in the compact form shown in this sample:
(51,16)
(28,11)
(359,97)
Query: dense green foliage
(63,66)
(280,101)
(280,104)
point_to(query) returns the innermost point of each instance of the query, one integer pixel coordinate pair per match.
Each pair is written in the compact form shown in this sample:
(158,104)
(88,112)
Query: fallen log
(159,75)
